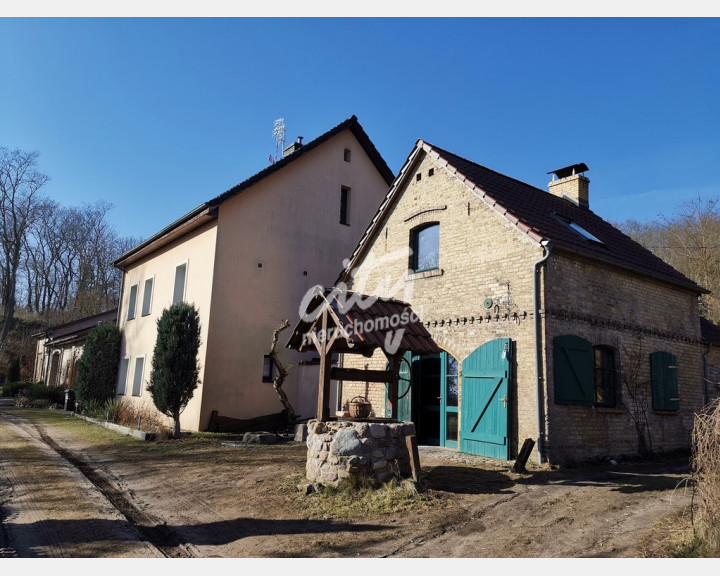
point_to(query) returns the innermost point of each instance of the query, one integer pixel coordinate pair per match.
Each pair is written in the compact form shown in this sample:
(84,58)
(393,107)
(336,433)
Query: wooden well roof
(364,323)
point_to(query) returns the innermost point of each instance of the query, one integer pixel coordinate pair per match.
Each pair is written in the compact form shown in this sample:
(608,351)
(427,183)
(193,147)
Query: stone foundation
(339,449)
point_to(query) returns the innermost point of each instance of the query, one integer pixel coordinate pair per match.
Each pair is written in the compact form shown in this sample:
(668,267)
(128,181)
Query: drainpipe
(538,348)
(706,392)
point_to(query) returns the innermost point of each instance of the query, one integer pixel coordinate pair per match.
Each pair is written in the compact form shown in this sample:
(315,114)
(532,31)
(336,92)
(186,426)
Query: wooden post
(394,370)
(523,456)
(412,446)
(323,409)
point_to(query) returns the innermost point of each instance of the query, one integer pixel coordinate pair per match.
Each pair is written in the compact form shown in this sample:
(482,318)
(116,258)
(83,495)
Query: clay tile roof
(78,328)
(540,215)
(548,217)
(710,332)
(354,310)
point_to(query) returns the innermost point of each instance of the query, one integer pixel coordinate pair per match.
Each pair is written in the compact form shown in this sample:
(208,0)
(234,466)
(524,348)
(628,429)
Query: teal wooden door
(484,400)
(428,396)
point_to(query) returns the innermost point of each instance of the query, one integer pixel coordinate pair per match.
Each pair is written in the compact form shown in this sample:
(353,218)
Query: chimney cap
(570,170)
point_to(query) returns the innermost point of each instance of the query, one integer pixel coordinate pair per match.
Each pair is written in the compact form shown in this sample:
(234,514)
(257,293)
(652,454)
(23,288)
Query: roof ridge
(438,148)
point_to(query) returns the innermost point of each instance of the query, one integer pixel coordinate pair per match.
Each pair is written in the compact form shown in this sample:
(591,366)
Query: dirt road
(64,494)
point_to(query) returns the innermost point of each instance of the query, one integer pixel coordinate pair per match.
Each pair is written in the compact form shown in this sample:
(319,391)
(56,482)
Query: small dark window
(304,272)
(418,177)
(425,247)
(431,172)
(605,377)
(268,369)
(344,205)
(259,264)
(347,155)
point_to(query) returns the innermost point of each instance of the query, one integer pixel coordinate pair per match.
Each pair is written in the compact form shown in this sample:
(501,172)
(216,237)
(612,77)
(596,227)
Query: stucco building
(554,325)
(58,349)
(245,259)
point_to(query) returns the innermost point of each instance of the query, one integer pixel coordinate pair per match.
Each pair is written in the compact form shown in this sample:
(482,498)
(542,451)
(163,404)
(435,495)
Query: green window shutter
(664,378)
(574,373)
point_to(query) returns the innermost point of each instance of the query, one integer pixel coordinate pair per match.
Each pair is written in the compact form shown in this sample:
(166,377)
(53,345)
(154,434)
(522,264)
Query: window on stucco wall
(132,302)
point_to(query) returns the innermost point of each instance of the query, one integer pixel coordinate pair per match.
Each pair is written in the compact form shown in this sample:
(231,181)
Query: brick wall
(483,256)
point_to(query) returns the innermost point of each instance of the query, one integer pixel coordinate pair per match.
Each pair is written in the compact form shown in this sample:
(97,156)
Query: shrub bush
(12,389)
(706,476)
(175,370)
(98,365)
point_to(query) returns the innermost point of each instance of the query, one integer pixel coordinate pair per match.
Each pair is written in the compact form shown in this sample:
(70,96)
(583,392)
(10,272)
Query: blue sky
(158,115)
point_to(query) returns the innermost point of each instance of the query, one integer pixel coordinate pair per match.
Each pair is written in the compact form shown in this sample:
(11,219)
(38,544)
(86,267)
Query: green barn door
(484,400)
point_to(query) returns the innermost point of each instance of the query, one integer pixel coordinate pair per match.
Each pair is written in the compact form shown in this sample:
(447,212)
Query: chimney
(294,146)
(571,184)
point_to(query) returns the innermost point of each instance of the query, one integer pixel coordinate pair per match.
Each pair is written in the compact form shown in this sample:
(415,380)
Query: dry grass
(706,477)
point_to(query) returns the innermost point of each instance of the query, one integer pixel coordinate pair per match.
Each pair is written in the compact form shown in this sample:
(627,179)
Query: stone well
(338,449)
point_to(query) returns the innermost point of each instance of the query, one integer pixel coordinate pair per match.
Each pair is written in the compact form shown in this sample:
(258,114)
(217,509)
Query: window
(180,279)
(425,247)
(147,296)
(664,378)
(138,375)
(268,369)
(605,377)
(132,301)
(573,371)
(578,229)
(122,376)
(346,155)
(345,205)
(584,375)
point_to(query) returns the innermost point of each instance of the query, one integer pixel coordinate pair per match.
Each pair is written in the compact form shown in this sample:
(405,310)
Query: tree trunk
(176,424)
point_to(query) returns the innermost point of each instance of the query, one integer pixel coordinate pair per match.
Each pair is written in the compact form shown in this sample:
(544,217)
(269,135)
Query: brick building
(554,325)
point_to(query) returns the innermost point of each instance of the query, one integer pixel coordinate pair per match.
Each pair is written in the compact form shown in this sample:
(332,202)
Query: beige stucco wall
(288,222)
(40,360)
(197,249)
(481,253)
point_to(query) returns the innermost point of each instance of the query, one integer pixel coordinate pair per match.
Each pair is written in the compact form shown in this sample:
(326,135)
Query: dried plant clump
(706,476)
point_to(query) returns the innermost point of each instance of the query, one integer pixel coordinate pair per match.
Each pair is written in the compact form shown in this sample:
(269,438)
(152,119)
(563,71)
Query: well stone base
(339,449)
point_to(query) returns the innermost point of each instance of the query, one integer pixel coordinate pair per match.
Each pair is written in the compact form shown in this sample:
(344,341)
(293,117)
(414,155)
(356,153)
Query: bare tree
(20,183)
(637,397)
(690,242)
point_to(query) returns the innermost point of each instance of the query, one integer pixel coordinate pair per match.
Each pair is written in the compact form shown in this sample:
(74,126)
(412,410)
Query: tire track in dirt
(163,537)
(153,531)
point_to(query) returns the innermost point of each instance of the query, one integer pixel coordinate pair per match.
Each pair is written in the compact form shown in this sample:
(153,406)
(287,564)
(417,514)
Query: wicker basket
(359,407)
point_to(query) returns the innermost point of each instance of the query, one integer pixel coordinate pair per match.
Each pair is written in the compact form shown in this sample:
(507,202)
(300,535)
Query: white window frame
(147,300)
(184,286)
(132,301)
(121,389)
(135,376)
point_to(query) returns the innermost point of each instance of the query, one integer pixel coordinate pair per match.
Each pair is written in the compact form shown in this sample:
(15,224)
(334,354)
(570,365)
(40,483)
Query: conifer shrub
(97,368)
(175,370)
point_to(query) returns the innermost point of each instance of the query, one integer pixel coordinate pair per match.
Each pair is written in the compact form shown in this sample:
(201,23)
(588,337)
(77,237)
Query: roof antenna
(279,134)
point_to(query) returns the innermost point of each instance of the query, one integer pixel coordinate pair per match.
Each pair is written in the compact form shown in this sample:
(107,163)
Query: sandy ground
(61,497)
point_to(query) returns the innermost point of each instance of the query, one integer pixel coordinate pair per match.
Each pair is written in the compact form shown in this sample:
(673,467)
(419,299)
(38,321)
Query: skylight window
(579,229)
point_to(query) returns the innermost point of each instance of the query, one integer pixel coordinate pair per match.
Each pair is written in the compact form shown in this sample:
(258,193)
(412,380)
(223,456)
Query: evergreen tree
(97,368)
(175,370)
(13,373)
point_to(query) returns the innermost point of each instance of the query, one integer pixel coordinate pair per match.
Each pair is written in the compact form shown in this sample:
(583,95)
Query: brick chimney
(293,147)
(572,184)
